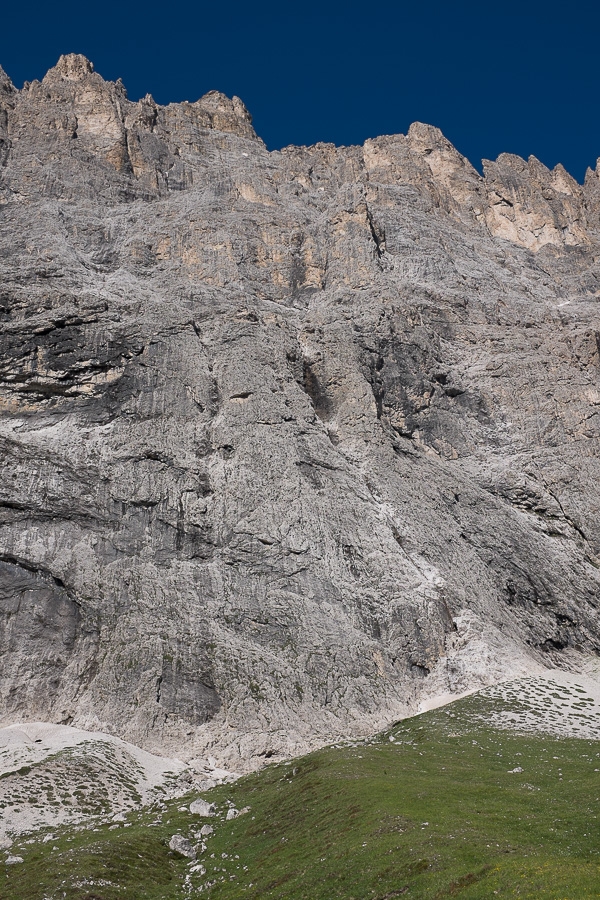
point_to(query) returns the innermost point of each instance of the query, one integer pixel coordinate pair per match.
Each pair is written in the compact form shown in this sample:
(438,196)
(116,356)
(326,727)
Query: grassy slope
(350,823)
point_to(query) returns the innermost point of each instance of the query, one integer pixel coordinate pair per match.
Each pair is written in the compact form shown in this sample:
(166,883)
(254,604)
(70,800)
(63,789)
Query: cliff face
(290,440)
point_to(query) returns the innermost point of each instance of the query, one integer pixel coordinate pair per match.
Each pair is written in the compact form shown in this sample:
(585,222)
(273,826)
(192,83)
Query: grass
(436,813)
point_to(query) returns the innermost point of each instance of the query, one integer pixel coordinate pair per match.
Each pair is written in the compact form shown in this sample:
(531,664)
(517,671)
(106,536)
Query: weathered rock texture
(290,440)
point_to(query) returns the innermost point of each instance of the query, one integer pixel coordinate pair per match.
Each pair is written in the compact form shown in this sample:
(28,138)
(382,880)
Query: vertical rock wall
(291,440)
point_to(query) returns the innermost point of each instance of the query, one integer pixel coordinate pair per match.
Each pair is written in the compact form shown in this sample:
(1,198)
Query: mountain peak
(72,66)
(5,82)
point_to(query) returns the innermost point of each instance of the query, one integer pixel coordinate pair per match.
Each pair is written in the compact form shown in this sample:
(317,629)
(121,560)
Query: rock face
(291,440)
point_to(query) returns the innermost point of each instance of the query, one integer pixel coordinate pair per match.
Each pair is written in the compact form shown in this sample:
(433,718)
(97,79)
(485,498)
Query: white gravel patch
(34,741)
(55,774)
(557,703)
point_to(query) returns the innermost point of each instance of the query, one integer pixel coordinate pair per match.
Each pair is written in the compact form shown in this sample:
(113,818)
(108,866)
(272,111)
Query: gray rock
(232,813)
(206,830)
(206,784)
(180,844)
(291,440)
(13,860)
(200,807)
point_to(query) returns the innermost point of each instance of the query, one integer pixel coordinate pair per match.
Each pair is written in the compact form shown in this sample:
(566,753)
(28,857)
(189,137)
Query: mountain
(293,442)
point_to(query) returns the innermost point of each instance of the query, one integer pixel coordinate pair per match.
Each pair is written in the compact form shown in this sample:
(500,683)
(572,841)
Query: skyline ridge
(478,166)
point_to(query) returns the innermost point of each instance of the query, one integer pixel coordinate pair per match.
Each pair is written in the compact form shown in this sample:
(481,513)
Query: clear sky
(520,77)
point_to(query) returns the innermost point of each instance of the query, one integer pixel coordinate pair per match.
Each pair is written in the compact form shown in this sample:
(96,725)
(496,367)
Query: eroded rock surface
(291,440)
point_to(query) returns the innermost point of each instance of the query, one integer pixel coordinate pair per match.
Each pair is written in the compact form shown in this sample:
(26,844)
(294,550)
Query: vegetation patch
(441,806)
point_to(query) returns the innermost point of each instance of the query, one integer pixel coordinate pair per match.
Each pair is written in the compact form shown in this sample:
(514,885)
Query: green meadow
(440,806)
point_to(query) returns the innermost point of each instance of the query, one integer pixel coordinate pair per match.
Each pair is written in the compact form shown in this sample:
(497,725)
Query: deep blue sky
(508,76)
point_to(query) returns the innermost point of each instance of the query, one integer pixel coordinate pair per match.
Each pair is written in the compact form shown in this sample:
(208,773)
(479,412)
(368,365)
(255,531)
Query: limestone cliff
(291,440)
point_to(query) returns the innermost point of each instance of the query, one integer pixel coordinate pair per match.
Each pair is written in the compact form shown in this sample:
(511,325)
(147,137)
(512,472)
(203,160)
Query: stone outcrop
(291,440)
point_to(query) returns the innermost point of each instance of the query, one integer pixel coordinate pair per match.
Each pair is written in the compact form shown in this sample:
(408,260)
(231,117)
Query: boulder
(201,807)
(180,844)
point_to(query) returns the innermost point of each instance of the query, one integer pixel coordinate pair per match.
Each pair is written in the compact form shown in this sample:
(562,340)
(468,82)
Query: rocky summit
(293,442)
